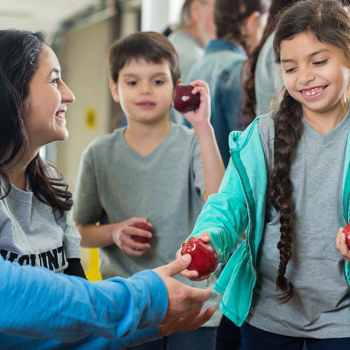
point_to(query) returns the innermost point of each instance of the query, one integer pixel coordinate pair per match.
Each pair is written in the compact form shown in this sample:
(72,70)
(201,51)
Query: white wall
(83,62)
(159,14)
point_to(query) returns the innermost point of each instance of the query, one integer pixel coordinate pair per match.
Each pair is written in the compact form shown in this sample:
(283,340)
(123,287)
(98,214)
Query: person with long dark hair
(34,229)
(239,27)
(36,304)
(288,186)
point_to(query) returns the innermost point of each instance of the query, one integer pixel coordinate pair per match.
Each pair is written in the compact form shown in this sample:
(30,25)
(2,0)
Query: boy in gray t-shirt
(150,171)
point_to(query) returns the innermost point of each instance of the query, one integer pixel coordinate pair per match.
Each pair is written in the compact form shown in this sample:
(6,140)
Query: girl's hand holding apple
(204,257)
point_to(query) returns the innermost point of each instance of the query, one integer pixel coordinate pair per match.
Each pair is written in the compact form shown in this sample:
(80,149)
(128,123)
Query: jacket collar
(222,44)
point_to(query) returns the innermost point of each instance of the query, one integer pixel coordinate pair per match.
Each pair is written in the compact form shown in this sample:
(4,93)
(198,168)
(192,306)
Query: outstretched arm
(36,303)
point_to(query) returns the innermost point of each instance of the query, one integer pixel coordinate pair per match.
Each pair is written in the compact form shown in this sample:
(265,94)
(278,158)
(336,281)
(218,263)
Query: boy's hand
(192,322)
(182,299)
(191,274)
(341,245)
(121,236)
(201,117)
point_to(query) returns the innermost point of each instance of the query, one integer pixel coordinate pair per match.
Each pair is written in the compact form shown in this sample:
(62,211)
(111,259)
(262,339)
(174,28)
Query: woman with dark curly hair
(239,27)
(288,186)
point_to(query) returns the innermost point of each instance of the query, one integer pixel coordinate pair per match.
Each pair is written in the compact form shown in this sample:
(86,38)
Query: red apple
(183,99)
(204,257)
(145,227)
(347,234)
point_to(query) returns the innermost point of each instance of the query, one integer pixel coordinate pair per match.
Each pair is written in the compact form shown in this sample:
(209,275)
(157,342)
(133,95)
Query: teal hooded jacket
(238,206)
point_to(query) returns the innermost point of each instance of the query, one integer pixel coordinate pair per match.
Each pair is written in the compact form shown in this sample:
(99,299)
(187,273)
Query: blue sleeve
(37,303)
(10,342)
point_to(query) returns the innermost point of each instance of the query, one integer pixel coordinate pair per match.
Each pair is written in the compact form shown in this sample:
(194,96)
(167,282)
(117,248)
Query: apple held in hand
(145,227)
(183,99)
(204,257)
(347,234)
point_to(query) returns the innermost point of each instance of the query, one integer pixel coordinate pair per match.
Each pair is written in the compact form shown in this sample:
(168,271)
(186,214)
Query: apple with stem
(205,259)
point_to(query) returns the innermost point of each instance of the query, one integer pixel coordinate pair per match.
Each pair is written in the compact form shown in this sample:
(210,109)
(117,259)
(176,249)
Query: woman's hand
(192,274)
(121,236)
(342,246)
(201,117)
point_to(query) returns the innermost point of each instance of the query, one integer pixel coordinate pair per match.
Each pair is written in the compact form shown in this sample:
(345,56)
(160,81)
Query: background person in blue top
(239,27)
(34,302)
(300,154)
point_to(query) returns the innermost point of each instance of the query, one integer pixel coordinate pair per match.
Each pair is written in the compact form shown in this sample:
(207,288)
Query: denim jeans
(254,338)
(203,338)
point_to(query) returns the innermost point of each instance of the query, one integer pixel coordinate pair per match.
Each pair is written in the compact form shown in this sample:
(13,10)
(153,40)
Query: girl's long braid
(288,130)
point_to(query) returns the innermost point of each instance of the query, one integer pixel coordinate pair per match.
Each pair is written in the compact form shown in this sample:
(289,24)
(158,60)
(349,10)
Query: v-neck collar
(151,155)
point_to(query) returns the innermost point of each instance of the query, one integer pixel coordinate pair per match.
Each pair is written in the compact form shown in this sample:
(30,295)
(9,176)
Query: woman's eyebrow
(54,70)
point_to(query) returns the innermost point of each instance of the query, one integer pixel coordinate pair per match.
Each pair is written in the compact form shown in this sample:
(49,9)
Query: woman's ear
(114,90)
(196,11)
(179,81)
(250,21)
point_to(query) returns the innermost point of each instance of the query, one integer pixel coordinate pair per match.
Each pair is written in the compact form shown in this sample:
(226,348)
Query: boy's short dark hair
(149,46)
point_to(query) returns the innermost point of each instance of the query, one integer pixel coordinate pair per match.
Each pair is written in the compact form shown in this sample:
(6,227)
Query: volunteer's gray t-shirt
(31,234)
(320,306)
(116,183)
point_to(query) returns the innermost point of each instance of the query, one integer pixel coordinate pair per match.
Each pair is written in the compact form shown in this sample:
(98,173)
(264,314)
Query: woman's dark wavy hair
(329,23)
(229,16)
(19,55)
(249,104)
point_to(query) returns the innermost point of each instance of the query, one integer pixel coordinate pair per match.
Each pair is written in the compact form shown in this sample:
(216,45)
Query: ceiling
(45,15)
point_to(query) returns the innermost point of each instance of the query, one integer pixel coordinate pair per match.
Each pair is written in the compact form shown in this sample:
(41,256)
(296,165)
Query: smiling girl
(288,185)
(34,229)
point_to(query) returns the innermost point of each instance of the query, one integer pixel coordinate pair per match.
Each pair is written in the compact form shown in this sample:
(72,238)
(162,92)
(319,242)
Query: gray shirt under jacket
(320,306)
(116,183)
(31,234)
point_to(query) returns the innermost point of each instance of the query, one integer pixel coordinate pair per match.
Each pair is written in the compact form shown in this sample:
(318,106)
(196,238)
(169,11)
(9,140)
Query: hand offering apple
(145,227)
(205,259)
(183,99)
(347,234)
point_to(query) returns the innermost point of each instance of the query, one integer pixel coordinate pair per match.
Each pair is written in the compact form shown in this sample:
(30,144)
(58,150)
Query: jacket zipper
(249,212)
(347,220)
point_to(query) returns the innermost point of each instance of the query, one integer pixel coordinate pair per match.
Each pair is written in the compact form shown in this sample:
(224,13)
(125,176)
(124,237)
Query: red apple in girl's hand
(183,99)
(145,227)
(347,234)
(204,257)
